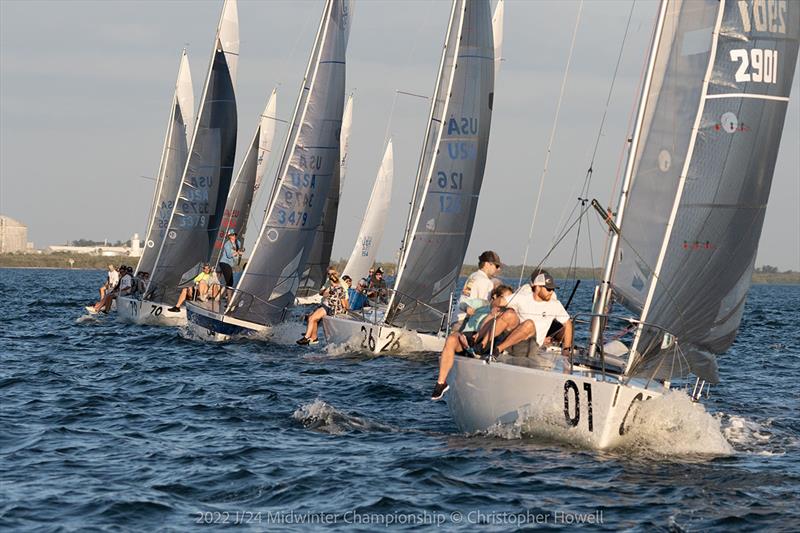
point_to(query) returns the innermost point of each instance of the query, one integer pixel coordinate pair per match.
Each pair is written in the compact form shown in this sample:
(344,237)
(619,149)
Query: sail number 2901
(573,415)
(756,65)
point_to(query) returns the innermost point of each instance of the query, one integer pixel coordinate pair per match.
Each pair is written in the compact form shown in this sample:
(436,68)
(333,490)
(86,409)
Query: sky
(85,90)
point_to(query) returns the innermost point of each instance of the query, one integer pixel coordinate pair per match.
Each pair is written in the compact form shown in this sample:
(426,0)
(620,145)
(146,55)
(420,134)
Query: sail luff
(415,210)
(681,183)
(497,33)
(601,301)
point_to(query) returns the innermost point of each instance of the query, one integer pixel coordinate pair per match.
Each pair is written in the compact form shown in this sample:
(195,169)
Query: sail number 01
(574,416)
(759,65)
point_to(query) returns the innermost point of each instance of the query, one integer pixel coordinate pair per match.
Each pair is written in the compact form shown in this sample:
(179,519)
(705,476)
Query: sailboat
(173,159)
(308,168)
(198,208)
(371,232)
(445,197)
(248,179)
(314,273)
(685,235)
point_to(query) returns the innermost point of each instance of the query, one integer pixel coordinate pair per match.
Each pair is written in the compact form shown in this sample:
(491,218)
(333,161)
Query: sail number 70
(757,65)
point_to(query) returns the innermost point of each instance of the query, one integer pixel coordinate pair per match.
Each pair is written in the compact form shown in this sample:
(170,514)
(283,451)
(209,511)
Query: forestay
(319,257)
(198,210)
(702,178)
(170,169)
(248,180)
(308,167)
(371,232)
(450,172)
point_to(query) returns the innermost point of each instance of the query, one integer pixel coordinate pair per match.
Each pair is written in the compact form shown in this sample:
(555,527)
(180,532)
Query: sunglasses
(498,265)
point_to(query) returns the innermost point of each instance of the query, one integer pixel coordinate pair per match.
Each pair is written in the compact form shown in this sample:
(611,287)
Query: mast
(603,294)
(413,221)
(409,228)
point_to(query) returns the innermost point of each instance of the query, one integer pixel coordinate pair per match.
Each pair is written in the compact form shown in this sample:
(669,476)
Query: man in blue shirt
(357,297)
(231,253)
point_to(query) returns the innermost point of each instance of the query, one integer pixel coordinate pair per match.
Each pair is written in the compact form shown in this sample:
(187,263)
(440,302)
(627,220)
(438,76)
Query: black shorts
(328,310)
(227,273)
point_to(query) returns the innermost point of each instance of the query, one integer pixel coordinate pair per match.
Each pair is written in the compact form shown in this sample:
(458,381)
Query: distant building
(135,250)
(13,235)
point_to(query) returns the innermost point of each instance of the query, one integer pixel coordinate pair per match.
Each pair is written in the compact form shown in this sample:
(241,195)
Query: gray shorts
(540,357)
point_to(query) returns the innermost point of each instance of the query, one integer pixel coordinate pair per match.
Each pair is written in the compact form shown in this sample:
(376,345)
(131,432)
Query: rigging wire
(552,137)
(584,191)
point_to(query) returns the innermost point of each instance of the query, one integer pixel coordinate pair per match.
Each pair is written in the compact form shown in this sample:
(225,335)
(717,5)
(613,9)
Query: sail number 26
(756,65)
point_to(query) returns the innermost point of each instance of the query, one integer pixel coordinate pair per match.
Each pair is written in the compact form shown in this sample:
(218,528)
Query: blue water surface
(110,426)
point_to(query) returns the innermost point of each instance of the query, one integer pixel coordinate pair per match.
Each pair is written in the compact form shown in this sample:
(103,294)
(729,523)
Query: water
(114,426)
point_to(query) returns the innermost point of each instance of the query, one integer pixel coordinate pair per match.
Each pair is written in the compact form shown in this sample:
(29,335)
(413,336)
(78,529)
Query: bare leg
(507,321)
(182,297)
(523,332)
(448,354)
(313,321)
(203,289)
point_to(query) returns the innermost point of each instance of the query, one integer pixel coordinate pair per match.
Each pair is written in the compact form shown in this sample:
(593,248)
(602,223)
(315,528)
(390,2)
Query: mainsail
(308,169)
(450,172)
(320,255)
(712,126)
(248,180)
(198,210)
(371,232)
(170,170)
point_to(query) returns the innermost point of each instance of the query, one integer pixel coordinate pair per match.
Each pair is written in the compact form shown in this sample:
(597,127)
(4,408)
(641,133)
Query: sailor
(460,342)
(534,318)
(479,285)
(377,287)
(335,302)
(140,283)
(357,298)
(123,288)
(111,281)
(198,289)
(231,255)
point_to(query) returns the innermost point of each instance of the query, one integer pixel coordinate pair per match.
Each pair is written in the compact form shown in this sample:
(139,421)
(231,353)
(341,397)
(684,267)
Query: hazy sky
(85,89)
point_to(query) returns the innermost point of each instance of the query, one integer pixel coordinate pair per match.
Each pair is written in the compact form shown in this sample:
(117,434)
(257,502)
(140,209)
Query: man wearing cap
(199,288)
(477,291)
(541,319)
(377,286)
(231,254)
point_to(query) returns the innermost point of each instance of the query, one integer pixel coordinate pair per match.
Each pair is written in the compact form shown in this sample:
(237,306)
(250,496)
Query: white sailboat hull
(138,311)
(206,322)
(378,338)
(578,408)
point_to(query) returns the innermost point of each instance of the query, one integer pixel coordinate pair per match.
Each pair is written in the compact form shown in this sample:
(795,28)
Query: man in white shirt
(477,291)
(541,318)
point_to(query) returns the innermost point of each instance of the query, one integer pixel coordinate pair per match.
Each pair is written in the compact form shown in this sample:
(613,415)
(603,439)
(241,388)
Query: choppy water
(111,426)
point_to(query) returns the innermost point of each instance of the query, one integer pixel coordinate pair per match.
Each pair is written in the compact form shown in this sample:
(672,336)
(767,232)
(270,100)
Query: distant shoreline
(59,261)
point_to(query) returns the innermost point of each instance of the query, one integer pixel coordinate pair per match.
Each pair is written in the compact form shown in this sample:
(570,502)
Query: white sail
(344,141)
(248,180)
(497,31)
(200,203)
(173,159)
(371,232)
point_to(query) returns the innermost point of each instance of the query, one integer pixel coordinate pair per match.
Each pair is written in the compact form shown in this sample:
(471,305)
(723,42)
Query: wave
(323,417)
